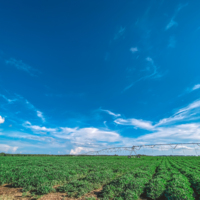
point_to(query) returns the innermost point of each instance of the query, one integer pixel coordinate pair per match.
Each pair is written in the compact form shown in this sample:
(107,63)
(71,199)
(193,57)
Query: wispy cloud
(138,123)
(21,66)
(178,133)
(111,113)
(120,33)
(105,124)
(39,129)
(133,49)
(172,22)
(154,73)
(172,42)
(190,89)
(196,87)
(187,113)
(2,120)
(19,104)
(8,100)
(178,127)
(32,107)
(40,115)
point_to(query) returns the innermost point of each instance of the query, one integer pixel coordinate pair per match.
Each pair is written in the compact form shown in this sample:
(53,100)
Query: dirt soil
(9,193)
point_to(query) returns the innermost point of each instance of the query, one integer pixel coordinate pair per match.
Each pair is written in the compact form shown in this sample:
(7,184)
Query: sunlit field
(112,177)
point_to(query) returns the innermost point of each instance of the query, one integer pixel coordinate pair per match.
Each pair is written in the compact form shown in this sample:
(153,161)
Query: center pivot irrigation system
(151,146)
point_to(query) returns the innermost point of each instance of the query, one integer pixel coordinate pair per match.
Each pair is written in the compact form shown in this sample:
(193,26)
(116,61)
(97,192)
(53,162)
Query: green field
(117,176)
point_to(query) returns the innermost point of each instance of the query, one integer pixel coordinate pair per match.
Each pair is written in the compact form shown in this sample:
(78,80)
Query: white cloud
(80,150)
(87,135)
(40,115)
(2,120)
(196,87)
(76,150)
(36,128)
(193,105)
(186,113)
(133,49)
(111,113)
(135,122)
(174,134)
(6,148)
(182,114)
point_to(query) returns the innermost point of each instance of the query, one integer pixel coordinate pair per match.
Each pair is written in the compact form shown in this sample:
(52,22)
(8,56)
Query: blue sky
(77,76)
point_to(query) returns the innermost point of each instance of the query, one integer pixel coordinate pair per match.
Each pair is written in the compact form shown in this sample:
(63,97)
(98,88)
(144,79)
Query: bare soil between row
(9,193)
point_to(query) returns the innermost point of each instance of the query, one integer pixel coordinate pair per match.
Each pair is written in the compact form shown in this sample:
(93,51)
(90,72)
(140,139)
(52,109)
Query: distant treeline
(8,154)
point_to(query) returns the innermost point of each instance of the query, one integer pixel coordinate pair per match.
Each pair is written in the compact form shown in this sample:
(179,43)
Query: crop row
(41,174)
(168,182)
(132,184)
(190,171)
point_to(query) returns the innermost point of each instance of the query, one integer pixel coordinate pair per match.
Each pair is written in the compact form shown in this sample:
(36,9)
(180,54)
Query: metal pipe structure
(135,148)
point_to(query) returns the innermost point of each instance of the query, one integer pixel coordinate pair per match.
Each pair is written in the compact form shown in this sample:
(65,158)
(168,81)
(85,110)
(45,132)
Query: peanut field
(116,177)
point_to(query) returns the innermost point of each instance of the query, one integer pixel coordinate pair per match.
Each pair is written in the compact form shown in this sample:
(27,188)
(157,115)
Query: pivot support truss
(136,148)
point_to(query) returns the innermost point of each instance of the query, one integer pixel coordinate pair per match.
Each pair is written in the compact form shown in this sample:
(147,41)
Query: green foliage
(120,177)
(156,188)
(131,195)
(90,198)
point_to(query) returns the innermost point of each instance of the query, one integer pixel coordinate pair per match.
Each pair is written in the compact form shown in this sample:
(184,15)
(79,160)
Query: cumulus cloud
(79,150)
(76,150)
(6,148)
(87,135)
(2,120)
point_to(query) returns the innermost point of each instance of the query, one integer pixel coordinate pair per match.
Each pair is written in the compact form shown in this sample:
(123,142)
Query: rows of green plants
(169,183)
(132,184)
(190,170)
(78,175)
(171,178)
(95,180)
